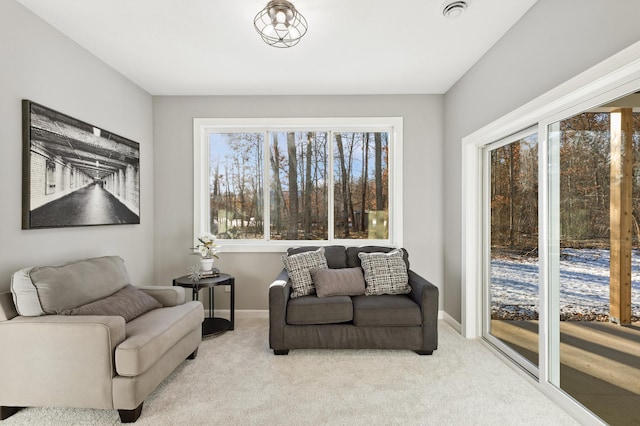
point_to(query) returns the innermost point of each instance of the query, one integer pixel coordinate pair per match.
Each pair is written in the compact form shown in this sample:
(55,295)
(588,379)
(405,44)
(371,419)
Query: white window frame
(202,127)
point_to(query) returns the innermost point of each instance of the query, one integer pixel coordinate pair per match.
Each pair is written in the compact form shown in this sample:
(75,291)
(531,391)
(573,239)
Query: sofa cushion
(151,335)
(52,289)
(338,282)
(128,303)
(385,311)
(308,310)
(385,273)
(352,254)
(336,255)
(299,267)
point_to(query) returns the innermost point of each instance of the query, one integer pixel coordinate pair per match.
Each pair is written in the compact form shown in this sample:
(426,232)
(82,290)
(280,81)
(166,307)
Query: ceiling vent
(454,9)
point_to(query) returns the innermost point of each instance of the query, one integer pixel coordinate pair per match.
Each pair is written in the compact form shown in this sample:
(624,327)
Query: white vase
(206,264)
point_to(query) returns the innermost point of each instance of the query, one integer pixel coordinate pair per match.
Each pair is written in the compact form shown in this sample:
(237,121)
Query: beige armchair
(89,361)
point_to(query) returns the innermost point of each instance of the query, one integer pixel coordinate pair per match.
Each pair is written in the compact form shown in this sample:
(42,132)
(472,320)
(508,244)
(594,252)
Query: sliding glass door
(551,240)
(593,288)
(511,308)
(561,245)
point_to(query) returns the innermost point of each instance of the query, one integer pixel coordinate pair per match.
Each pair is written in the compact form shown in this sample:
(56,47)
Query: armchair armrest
(279,291)
(59,360)
(426,295)
(165,294)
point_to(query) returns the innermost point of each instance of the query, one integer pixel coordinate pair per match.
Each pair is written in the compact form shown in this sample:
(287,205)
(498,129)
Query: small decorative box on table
(211,325)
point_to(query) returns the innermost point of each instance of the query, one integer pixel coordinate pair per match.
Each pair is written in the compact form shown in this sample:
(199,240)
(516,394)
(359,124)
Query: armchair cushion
(150,336)
(128,302)
(53,289)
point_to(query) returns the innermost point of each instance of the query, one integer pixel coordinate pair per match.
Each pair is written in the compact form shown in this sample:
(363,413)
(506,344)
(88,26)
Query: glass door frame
(486,251)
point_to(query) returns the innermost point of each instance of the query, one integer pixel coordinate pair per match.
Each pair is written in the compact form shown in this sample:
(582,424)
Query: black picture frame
(76,174)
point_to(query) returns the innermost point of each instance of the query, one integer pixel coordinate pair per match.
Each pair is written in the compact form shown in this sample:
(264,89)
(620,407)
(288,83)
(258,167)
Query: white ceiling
(209,47)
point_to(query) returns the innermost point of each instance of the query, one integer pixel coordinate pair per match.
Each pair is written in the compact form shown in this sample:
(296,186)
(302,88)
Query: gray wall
(40,64)
(553,42)
(173,162)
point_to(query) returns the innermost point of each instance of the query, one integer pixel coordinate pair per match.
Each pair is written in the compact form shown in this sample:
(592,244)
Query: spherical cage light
(280,24)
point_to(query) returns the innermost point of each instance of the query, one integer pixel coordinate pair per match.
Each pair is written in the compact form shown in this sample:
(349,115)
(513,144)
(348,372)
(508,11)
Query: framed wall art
(76,174)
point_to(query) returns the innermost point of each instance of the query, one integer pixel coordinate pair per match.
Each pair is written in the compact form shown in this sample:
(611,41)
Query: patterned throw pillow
(299,267)
(385,273)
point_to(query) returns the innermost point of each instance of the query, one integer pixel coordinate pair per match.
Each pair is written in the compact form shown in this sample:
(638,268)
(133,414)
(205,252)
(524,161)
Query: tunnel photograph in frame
(76,174)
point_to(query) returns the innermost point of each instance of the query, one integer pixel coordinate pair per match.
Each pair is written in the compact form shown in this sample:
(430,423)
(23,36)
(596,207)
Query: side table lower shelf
(211,326)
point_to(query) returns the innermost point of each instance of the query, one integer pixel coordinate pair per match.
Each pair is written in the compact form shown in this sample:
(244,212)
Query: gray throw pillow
(385,273)
(338,282)
(129,303)
(299,266)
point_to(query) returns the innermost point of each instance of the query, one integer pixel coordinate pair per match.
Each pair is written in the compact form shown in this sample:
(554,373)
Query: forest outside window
(263,183)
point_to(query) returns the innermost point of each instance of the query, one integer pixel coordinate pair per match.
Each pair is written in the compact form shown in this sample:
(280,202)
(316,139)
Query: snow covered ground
(584,285)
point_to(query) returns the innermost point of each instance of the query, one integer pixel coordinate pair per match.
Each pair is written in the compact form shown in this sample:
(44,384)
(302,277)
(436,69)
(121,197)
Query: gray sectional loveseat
(354,320)
(79,335)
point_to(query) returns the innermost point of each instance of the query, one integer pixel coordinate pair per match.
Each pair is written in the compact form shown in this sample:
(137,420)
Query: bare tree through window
(299,183)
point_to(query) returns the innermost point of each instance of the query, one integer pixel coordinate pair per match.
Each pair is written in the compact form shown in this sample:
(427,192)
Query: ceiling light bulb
(281,17)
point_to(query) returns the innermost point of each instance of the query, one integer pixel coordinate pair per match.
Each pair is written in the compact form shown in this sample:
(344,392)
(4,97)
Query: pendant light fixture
(280,24)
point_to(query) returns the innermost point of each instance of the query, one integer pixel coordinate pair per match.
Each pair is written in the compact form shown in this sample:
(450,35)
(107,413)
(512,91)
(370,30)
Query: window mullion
(266,187)
(330,184)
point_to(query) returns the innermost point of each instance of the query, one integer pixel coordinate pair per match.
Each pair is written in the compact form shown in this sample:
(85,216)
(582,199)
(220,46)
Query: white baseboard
(241,313)
(451,321)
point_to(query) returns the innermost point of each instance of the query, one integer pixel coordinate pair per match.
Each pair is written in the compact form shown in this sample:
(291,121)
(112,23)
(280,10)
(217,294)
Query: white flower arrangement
(208,247)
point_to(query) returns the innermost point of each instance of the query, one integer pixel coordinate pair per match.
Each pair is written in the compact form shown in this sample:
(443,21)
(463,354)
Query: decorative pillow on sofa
(353,260)
(385,273)
(338,282)
(128,302)
(336,255)
(299,267)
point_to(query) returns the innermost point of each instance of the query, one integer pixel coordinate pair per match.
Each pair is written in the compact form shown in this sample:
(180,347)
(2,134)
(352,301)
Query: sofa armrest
(166,294)
(426,295)
(59,360)
(279,291)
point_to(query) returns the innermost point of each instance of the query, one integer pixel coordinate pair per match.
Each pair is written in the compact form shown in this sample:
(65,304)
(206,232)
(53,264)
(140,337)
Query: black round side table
(211,325)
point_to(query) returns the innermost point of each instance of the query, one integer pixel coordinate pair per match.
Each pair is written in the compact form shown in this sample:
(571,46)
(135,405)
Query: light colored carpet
(236,380)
